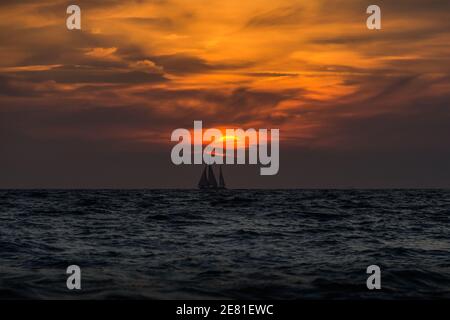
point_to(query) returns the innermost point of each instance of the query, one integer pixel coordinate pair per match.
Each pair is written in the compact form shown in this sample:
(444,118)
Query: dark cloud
(52,6)
(9,88)
(414,34)
(399,113)
(55,45)
(8,3)
(182,64)
(413,9)
(217,107)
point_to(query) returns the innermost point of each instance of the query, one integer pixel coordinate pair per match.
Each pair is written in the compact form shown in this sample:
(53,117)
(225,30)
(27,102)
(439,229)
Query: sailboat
(221,179)
(208,179)
(203,183)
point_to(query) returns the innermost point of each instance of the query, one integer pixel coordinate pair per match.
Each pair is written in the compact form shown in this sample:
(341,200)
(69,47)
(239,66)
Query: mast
(203,183)
(212,182)
(221,179)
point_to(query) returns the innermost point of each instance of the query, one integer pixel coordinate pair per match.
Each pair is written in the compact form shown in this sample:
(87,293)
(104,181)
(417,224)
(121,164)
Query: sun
(228,138)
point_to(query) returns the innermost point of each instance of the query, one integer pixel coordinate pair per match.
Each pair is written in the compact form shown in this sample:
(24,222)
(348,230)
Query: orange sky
(139,69)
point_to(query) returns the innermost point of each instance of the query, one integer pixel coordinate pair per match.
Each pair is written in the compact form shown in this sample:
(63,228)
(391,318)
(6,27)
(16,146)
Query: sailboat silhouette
(221,179)
(208,179)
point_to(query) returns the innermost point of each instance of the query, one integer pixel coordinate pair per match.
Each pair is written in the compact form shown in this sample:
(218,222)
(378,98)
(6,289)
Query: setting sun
(229,138)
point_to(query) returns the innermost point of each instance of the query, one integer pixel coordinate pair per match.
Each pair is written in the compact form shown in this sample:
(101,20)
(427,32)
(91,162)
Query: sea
(225,244)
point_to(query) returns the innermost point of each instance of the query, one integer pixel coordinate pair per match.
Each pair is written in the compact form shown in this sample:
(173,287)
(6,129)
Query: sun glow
(229,138)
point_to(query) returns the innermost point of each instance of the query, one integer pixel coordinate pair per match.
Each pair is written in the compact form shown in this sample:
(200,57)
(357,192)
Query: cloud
(278,17)
(9,88)
(144,22)
(101,52)
(271,74)
(87,74)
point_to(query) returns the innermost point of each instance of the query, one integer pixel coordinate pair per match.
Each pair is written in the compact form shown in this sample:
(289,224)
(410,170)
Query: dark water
(247,244)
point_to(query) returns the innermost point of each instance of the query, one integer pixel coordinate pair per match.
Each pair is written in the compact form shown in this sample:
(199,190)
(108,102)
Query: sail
(203,183)
(211,178)
(221,180)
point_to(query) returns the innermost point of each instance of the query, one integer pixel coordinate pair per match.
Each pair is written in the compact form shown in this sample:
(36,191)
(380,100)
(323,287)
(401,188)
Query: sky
(95,108)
